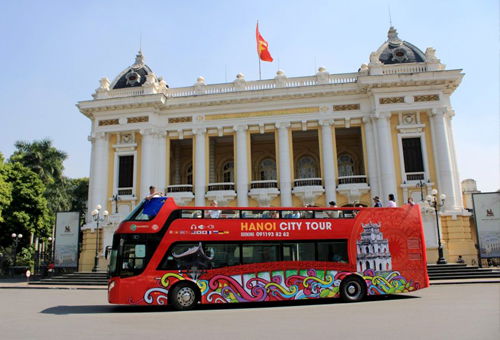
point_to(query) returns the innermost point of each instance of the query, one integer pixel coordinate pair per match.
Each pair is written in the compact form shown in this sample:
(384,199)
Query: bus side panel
(389,248)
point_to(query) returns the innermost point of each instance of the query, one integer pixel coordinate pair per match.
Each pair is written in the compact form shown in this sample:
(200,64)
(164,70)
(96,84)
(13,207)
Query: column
(177,164)
(329,174)
(241,165)
(386,156)
(211,161)
(98,184)
(444,158)
(371,157)
(148,163)
(456,177)
(284,163)
(162,160)
(199,167)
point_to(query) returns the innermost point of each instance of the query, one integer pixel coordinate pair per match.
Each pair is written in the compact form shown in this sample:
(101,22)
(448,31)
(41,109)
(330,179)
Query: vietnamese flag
(262,47)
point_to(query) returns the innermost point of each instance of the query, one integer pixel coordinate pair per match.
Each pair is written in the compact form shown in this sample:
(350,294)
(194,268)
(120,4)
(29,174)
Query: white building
(385,128)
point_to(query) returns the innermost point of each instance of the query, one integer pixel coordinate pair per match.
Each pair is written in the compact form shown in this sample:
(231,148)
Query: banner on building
(66,235)
(487,216)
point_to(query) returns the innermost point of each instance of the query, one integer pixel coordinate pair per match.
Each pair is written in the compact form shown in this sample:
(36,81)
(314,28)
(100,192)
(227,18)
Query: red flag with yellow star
(262,47)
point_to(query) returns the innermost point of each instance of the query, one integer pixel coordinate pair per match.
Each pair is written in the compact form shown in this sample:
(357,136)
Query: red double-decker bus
(181,256)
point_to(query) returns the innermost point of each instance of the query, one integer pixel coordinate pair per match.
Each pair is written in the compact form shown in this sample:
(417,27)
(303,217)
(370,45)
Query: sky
(55,52)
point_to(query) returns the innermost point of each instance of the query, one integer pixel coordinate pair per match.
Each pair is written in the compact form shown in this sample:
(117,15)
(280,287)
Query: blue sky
(55,52)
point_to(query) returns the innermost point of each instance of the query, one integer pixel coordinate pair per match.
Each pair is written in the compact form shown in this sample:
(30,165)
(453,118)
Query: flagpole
(260,76)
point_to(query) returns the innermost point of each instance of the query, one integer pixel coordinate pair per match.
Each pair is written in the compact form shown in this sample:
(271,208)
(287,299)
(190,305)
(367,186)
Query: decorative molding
(142,119)
(346,107)
(107,122)
(427,98)
(175,120)
(263,113)
(391,100)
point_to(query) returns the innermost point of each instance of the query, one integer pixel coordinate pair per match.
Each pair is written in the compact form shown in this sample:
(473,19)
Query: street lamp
(96,215)
(421,185)
(16,238)
(437,204)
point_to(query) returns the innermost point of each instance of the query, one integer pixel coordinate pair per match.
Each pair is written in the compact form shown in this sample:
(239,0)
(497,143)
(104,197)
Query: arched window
(306,167)
(267,169)
(346,165)
(189,174)
(228,172)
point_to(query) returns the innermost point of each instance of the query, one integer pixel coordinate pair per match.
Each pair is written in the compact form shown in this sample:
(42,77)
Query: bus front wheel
(352,289)
(184,296)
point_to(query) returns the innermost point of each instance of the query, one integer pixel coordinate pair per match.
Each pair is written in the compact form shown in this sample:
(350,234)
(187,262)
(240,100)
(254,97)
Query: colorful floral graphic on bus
(280,285)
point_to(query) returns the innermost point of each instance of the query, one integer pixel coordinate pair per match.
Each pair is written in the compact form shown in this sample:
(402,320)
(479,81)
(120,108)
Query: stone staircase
(456,271)
(75,279)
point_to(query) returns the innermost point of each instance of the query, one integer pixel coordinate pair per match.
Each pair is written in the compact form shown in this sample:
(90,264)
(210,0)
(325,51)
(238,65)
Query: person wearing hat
(377,203)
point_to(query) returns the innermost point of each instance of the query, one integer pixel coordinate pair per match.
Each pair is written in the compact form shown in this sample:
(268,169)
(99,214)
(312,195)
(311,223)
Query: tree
(5,190)
(47,162)
(27,212)
(78,190)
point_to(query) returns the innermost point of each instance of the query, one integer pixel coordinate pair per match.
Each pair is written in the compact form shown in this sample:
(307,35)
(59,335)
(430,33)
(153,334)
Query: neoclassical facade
(287,141)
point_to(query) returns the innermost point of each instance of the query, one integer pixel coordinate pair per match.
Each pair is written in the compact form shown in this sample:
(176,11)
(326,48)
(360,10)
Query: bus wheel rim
(353,289)
(186,296)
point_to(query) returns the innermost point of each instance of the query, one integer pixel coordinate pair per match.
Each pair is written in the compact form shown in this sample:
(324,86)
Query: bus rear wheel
(352,289)
(184,296)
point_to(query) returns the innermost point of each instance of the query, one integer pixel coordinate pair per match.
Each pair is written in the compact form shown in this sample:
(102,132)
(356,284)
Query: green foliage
(78,190)
(28,212)
(26,257)
(5,191)
(42,158)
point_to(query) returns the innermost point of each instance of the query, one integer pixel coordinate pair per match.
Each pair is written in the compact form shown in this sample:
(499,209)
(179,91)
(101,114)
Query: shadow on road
(102,309)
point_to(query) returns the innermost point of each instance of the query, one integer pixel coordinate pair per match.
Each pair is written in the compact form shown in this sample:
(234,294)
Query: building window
(346,165)
(125,174)
(228,172)
(306,167)
(412,153)
(189,174)
(267,169)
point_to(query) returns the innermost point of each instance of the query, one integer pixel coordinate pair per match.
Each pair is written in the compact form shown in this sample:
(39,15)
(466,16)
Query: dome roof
(396,51)
(132,76)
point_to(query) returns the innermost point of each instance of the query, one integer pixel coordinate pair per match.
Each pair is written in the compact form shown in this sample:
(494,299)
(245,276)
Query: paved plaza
(462,311)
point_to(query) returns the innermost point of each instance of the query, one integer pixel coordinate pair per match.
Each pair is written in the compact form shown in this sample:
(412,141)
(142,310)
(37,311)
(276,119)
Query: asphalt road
(466,311)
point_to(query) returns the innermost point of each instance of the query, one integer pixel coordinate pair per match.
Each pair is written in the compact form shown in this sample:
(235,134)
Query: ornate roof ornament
(139,60)
(392,37)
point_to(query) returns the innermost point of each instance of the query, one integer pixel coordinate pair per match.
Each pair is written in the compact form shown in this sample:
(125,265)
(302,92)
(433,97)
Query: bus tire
(184,296)
(352,289)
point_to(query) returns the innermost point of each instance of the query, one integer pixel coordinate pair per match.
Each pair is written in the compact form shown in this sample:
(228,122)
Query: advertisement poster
(487,215)
(66,246)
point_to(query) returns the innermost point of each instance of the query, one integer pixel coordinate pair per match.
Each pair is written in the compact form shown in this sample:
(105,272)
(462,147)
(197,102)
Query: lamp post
(437,203)
(421,185)
(96,215)
(16,238)
(115,199)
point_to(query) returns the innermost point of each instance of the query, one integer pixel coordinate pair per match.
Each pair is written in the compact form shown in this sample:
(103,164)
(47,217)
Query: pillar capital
(283,125)
(240,128)
(326,122)
(199,131)
(381,114)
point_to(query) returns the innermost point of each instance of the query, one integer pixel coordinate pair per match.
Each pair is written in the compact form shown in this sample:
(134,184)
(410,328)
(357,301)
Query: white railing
(256,85)
(179,188)
(404,68)
(415,176)
(128,92)
(220,186)
(125,191)
(355,179)
(303,182)
(264,184)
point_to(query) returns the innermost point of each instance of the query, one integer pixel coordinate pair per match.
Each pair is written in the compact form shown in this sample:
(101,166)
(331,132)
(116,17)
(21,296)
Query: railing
(180,188)
(344,78)
(415,176)
(125,191)
(264,184)
(303,182)
(355,179)
(404,68)
(220,186)
(128,92)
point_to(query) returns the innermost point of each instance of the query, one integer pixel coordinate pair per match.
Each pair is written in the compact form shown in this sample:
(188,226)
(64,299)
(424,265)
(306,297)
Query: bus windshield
(147,209)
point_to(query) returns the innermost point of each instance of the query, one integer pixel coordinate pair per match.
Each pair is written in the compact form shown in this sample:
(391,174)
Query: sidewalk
(19,283)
